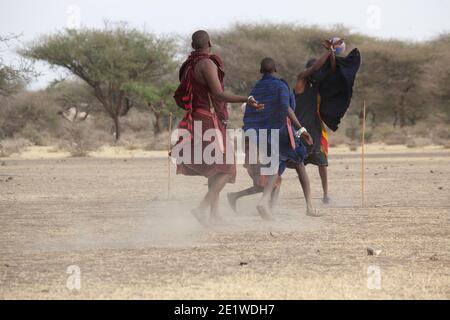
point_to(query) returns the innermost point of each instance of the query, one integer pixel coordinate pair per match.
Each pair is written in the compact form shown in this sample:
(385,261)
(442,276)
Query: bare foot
(232,201)
(200,215)
(264,212)
(216,219)
(314,213)
(326,200)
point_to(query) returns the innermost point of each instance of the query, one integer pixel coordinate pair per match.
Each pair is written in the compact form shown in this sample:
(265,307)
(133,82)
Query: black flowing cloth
(336,89)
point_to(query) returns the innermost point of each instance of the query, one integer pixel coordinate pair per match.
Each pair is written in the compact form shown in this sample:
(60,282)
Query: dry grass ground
(111,218)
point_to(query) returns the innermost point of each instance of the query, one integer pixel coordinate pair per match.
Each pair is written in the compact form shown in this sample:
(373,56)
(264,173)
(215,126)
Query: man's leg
(304,181)
(274,197)
(306,186)
(215,216)
(234,196)
(324,178)
(211,199)
(263,206)
(214,209)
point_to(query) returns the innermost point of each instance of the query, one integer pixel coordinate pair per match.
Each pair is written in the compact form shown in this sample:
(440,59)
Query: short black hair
(200,39)
(268,66)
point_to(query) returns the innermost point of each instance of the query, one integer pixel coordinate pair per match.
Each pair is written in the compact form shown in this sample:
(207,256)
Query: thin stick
(169,144)
(362,155)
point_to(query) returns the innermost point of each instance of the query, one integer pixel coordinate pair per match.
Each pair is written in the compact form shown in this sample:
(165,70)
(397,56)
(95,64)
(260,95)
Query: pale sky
(415,20)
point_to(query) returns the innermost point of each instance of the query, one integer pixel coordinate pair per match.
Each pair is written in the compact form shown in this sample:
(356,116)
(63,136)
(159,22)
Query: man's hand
(302,133)
(253,103)
(307,137)
(327,44)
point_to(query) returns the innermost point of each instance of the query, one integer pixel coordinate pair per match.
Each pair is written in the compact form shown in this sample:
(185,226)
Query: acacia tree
(73,94)
(12,78)
(159,100)
(108,60)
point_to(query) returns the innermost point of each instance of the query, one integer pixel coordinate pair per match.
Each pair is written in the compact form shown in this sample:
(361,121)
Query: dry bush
(102,123)
(79,138)
(419,142)
(159,142)
(33,111)
(10,146)
(389,135)
(38,137)
(353,146)
(137,121)
(411,143)
(420,135)
(440,134)
(128,143)
(337,138)
(396,139)
(132,140)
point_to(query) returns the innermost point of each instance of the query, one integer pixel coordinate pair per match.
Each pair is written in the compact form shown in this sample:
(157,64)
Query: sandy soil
(114,152)
(111,218)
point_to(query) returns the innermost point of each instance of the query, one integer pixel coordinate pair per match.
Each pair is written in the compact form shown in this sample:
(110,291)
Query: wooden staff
(363,154)
(169,145)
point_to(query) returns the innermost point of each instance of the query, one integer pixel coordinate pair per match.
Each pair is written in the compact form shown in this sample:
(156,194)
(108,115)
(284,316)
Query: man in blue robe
(276,117)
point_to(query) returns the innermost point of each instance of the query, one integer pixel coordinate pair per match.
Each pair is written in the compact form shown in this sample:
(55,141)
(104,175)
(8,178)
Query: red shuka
(194,97)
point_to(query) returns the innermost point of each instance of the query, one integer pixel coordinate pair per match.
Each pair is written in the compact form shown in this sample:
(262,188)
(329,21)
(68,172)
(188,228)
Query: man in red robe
(201,93)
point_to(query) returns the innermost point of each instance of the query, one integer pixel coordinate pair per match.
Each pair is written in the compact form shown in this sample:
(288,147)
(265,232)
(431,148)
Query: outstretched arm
(209,72)
(302,76)
(330,54)
(315,67)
